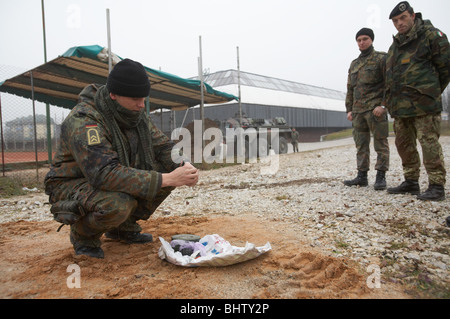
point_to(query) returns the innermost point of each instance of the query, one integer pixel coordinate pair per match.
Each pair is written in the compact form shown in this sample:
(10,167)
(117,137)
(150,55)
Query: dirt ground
(36,263)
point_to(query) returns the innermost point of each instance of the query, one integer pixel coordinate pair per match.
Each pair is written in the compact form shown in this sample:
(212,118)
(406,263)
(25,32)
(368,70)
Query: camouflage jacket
(365,84)
(85,152)
(295,136)
(417,71)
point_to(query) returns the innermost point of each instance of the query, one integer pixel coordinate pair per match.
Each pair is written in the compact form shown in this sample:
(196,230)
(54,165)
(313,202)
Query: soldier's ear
(112,96)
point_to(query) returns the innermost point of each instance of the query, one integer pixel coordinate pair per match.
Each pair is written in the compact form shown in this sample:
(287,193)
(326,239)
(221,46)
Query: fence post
(2,140)
(35,132)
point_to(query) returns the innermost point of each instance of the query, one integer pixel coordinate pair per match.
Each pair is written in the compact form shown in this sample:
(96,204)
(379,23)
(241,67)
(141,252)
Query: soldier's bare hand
(379,111)
(349,116)
(186,175)
(192,175)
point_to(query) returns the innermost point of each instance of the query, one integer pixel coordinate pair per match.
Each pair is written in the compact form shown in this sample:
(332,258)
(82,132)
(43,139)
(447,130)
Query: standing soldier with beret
(418,71)
(113,166)
(365,92)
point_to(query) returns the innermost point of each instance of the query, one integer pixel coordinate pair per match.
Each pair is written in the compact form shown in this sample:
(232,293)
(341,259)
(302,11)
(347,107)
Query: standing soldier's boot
(380,182)
(434,193)
(409,186)
(360,180)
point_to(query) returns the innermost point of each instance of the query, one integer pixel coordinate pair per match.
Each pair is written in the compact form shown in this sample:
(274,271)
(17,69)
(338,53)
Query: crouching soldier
(112,167)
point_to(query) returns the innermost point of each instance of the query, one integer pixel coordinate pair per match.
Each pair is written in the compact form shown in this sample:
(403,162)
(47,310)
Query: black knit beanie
(366,31)
(129,78)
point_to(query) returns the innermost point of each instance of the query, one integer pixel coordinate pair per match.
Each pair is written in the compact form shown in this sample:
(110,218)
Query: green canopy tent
(58,82)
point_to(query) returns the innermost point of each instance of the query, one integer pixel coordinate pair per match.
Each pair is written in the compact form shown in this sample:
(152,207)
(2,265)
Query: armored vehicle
(258,134)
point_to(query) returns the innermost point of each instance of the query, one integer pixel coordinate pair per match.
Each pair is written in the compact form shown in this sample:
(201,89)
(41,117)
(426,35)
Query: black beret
(366,31)
(128,78)
(400,8)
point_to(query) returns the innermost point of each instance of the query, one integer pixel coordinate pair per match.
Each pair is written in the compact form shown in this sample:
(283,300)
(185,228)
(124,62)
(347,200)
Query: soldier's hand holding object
(186,175)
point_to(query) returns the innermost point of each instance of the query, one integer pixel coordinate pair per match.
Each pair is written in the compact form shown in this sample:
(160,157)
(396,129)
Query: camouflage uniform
(418,68)
(294,139)
(86,168)
(365,89)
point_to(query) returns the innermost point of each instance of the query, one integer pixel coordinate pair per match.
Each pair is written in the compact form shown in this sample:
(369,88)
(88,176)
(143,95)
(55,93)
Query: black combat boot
(360,180)
(409,186)
(435,193)
(95,252)
(129,237)
(86,247)
(380,181)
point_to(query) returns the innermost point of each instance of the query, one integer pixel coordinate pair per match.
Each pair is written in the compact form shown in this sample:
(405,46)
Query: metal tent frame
(59,81)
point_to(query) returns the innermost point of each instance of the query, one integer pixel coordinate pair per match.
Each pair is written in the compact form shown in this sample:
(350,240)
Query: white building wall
(262,96)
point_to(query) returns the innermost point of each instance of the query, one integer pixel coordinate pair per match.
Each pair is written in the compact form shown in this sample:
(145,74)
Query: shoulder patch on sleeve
(93,137)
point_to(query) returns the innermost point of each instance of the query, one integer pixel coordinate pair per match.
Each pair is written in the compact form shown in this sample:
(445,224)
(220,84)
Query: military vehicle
(258,135)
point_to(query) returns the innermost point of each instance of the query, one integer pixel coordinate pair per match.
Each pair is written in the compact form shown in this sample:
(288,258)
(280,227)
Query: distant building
(19,133)
(314,111)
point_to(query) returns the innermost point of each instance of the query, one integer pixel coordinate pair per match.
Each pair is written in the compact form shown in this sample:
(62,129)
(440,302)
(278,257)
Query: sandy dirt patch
(35,261)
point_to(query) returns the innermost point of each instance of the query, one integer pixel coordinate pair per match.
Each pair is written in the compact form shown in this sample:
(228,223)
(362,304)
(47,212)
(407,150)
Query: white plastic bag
(219,252)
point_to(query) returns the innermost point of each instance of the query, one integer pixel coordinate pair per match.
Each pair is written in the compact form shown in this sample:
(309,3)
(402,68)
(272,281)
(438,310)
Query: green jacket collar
(419,27)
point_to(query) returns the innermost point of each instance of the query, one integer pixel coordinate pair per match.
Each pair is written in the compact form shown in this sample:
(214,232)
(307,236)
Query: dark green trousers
(364,125)
(427,130)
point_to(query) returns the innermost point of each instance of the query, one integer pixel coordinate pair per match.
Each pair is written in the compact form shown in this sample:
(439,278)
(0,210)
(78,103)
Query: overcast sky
(305,41)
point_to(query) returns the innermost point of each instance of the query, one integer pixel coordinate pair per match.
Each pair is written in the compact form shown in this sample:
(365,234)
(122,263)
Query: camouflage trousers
(427,130)
(365,124)
(105,211)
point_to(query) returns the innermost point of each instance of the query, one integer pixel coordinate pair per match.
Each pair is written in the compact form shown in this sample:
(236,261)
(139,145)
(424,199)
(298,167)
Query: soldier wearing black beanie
(113,166)
(129,78)
(365,89)
(366,31)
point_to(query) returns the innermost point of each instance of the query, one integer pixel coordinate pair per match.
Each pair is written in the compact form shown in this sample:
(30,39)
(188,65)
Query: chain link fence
(25,142)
